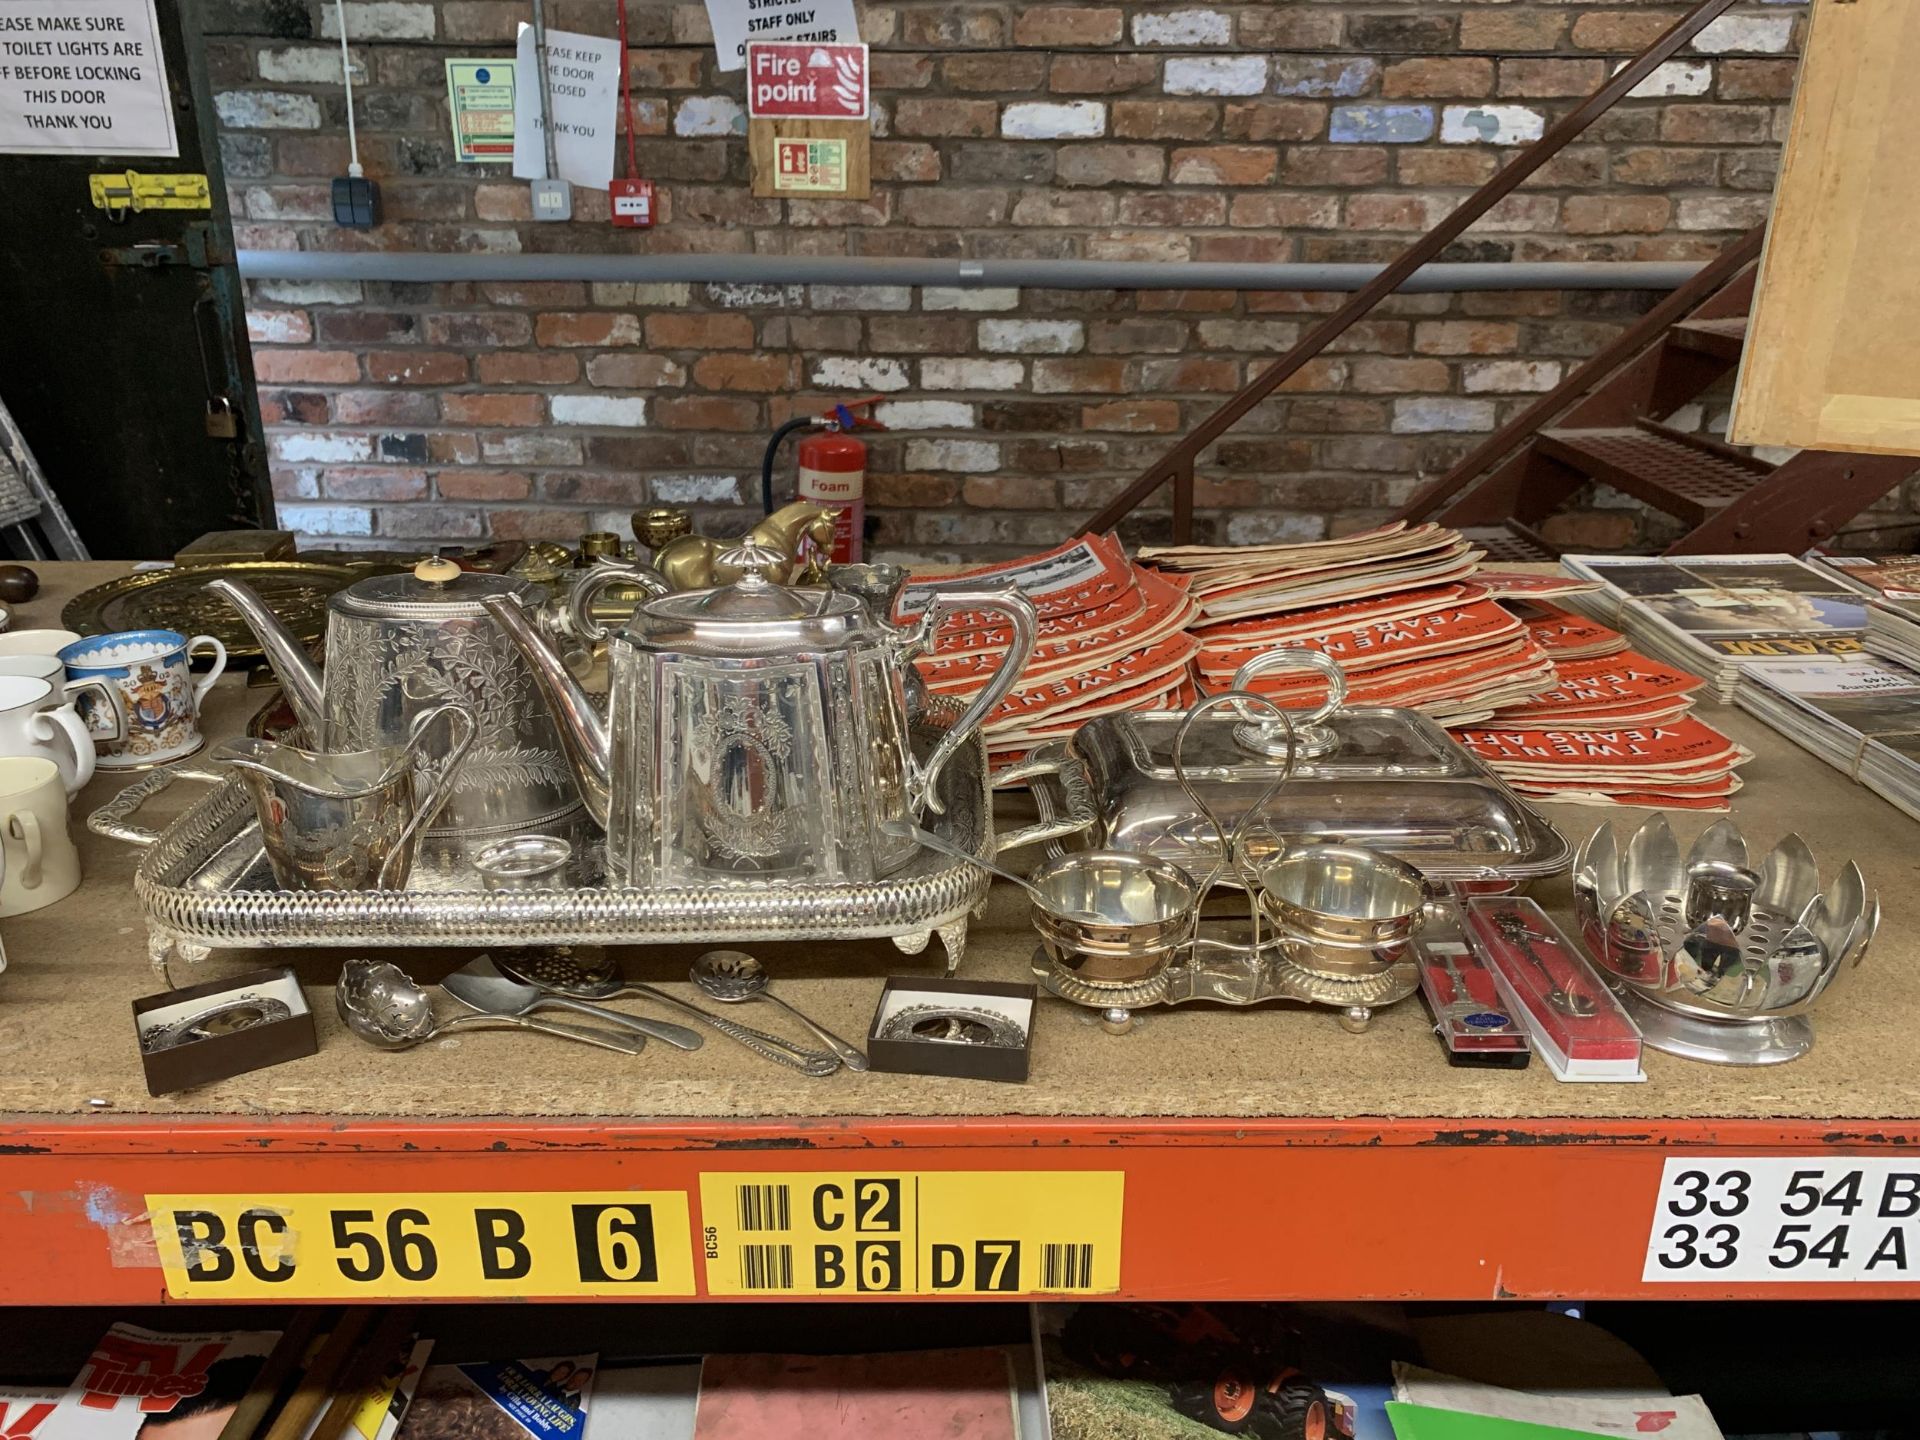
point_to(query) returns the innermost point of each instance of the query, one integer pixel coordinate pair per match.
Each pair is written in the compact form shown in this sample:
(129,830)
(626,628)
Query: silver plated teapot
(756,733)
(401,645)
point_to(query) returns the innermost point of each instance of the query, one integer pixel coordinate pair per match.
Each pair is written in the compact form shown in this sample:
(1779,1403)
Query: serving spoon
(387,1008)
(734,977)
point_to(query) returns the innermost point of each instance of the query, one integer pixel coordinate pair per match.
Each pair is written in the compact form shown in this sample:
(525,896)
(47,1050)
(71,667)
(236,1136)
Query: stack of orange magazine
(1112,637)
(1401,609)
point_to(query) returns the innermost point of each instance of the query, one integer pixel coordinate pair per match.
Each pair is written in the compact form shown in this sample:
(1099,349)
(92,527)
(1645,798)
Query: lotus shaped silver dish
(1716,956)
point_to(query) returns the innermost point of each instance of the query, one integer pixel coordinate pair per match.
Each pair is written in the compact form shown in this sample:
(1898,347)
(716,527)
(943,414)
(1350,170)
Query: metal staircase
(1604,423)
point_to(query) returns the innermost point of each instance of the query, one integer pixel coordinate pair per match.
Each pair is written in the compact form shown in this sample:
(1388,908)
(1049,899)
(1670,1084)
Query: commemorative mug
(36,719)
(40,864)
(151,712)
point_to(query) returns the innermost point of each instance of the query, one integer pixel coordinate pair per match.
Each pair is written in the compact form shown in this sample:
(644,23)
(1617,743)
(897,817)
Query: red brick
(1280,210)
(1223,165)
(587,327)
(494,408)
(1549,78)
(313,367)
(1395,211)
(1339,165)
(1465,337)
(1592,529)
(705,412)
(1623,32)
(895,70)
(295,407)
(367,327)
(911,492)
(1716,124)
(489,330)
(416,367)
(954,208)
(537,294)
(1156,417)
(948,27)
(993,74)
(492,21)
(1101,74)
(1009,492)
(1165,119)
(527,368)
(365,483)
(1616,214)
(1501,31)
(386,407)
(538,524)
(503,202)
(624,370)
(482,485)
(1461,165)
(1055,376)
(1079,209)
(762,373)
(915,116)
(1390,375)
(1467,77)
(663,69)
(904,160)
(700,332)
(1174,210)
(1285,28)
(1756,79)
(451,447)
(1185,376)
(1665,167)
(1274,120)
(1067,25)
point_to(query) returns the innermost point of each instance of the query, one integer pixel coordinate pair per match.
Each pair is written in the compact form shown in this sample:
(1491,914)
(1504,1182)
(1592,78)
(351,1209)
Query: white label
(83,77)
(1779,1220)
(735,22)
(582,74)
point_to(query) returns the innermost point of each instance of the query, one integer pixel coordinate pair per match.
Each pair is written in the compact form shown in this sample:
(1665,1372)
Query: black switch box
(356,202)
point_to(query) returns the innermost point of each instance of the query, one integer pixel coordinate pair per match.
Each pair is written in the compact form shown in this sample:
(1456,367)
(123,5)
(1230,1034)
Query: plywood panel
(1829,362)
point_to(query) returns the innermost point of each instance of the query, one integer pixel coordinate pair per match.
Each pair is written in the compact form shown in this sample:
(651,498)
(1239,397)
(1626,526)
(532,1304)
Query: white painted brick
(851,372)
(1676,77)
(710,115)
(323,446)
(1721,212)
(925,415)
(968,457)
(741,297)
(621,411)
(986,297)
(956,373)
(627,292)
(1423,414)
(696,489)
(860,297)
(327,519)
(1216,75)
(1746,35)
(1183,27)
(1048,120)
(1032,337)
(267,110)
(307,292)
(1509,377)
(1491,125)
(303,480)
(379,20)
(307,65)
(278,327)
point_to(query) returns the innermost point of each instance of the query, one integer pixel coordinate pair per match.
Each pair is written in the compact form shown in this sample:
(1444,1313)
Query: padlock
(222,423)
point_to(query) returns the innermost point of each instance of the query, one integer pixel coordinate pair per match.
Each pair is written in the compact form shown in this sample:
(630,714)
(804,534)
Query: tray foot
(913,942)
(953,936)
(164,947)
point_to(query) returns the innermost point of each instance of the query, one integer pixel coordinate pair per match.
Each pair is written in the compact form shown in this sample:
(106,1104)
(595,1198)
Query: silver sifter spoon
(384,1006)
(733,976)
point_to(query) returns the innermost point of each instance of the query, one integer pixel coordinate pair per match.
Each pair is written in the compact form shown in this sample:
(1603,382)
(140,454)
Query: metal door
(119,339)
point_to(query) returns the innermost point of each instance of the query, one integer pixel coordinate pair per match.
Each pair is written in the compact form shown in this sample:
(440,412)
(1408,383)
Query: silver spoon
(733,976)
(561,969)
(960,852)
(479,985)
(384,1006)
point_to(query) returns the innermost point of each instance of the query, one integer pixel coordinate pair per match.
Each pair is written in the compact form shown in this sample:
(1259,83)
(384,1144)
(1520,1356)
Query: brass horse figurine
(801,532)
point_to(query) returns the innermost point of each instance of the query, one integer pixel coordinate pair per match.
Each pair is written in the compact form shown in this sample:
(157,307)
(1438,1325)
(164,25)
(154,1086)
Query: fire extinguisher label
(844,490)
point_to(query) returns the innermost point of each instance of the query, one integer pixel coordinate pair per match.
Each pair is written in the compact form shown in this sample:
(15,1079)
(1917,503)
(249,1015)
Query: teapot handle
(1005,600)
(603,576)
(439,781)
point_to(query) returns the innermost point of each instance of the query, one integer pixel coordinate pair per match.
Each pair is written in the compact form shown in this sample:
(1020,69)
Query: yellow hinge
(131,190)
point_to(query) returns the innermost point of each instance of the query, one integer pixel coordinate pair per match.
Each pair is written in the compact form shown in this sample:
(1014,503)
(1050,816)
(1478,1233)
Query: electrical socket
(552,200)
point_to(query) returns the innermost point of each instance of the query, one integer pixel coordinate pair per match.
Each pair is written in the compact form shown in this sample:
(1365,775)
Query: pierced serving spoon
(564,971)
(387,1008)
(733,977)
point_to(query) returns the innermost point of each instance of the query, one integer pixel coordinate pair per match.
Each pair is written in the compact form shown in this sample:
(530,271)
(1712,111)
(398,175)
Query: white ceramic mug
(36,720)
(154,712)
(36,642)
(38,861)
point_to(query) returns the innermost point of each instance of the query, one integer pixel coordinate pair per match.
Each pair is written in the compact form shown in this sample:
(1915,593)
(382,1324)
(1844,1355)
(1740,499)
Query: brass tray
(176,599)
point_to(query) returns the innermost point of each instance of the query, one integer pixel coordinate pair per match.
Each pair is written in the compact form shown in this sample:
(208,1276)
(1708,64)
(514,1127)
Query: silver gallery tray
(204,884)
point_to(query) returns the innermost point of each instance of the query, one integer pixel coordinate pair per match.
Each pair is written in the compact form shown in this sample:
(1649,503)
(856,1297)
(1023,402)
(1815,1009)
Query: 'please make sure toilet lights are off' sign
(796,80)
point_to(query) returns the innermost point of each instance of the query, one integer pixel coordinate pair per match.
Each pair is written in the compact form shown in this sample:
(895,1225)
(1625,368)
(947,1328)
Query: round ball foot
(1116,1021)
(1355,1018)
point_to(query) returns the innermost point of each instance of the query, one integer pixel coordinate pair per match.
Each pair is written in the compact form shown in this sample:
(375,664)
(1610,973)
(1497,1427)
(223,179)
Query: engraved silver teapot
(401,645)
(754,732)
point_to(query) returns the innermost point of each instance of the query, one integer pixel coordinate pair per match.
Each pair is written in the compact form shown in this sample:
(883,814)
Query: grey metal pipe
(976,274)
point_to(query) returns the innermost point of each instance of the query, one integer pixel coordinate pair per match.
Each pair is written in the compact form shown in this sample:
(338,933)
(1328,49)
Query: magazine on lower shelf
(1862,717)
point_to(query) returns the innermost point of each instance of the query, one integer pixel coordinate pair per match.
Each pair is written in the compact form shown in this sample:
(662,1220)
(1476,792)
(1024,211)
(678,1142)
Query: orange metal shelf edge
(1214,1209)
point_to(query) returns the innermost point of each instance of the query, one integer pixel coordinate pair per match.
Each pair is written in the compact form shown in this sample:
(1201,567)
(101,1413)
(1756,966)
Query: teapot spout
(299,678)
(583,730)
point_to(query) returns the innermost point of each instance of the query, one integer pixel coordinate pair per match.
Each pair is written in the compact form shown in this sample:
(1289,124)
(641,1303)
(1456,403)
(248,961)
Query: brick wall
(1271,131)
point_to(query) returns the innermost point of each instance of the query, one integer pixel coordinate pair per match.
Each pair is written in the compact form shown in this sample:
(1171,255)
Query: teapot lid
(436,589)
(753,596)
(752,614)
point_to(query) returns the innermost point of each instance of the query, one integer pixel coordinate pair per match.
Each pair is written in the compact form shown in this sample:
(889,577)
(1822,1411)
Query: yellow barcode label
(925,1233)
(445,1245)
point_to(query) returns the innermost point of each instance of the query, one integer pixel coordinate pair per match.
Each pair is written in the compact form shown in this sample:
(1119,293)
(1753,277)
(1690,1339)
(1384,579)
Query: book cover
(159,1386)
(545,1399)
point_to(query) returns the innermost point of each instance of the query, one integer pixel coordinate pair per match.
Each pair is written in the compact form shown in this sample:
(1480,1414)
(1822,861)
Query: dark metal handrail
(1176,466)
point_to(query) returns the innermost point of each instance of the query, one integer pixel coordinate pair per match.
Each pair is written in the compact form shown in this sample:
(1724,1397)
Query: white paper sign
(583,73)
(83,77)
(1777,1219)
(735,22)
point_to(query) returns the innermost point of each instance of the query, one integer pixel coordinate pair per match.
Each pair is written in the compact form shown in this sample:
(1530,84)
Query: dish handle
(114,819)
(1072,812)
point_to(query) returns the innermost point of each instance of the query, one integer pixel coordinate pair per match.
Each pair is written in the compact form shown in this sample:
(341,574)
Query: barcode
(1066,1267)
(763,1207)
(766,1267)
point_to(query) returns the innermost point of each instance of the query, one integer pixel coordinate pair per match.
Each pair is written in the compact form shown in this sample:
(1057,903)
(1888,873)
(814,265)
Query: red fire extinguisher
(833,470)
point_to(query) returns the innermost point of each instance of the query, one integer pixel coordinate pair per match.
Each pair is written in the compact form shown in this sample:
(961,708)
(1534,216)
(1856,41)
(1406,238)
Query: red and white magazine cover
(1566,634)
(1215,557)
(1077,689)
(159,1386)
(1389,642)
(1626,678)
(1075,575)
(24,1412)
(1270,596)
(1513,585)
(1276,630)
(1688,744)
(953,640)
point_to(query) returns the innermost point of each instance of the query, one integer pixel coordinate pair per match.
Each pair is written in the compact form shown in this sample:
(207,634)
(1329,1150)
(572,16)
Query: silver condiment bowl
(524,862)
(1113,916)
(1343,901)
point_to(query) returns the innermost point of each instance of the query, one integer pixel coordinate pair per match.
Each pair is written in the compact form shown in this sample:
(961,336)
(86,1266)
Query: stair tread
(1508,547)
(1726,325)
(1725,336)
(1660,465)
